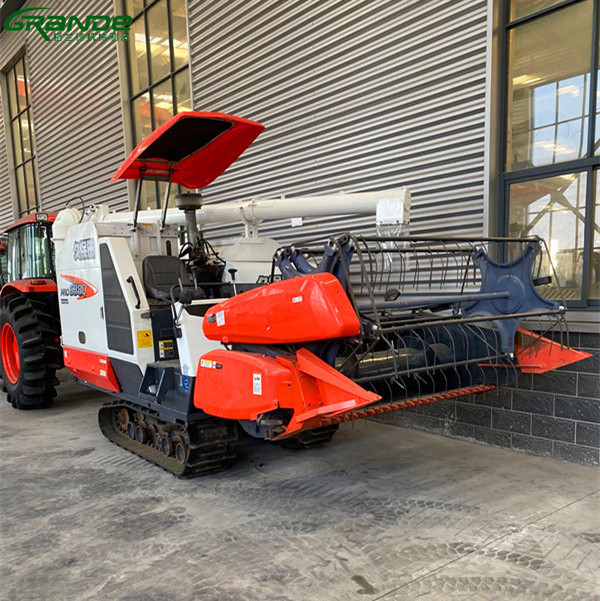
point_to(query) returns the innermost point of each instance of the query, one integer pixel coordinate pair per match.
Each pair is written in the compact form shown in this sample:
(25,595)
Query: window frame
(131,97)
(589,164)
(22,206)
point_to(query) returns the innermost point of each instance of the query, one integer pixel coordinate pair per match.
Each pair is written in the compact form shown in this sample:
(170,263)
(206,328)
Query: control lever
(232,273)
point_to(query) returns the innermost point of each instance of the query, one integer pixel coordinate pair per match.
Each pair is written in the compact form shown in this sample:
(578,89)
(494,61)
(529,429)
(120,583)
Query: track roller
(205,446)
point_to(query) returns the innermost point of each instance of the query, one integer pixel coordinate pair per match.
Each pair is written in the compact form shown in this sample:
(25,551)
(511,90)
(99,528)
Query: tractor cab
(29,251)
(29,322)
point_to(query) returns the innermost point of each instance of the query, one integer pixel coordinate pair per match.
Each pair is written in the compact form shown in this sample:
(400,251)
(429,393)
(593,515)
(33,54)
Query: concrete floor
(381,513)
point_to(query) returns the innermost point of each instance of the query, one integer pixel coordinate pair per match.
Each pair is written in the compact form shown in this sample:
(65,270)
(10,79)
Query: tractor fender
(28,286)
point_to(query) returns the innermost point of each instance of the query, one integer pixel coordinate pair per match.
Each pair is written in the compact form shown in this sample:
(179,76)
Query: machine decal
(165,349)
(84,249)
(78,288)
(144,338)
(257,384)
(220,318)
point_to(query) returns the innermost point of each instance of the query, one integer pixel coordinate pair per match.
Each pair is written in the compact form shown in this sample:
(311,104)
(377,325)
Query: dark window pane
(26,79)
(141,117)
(133,7)
(554,208)
(162,188)
(21,191)
(158,34)
(16,137)
(182,91)
(12,93)
(29,174)
(595,258)
(522,8)
(27,149)
(597,136)
(179,31)
(162,99)
(21,85)
(548,87)
(31,131)
(138,63)
(148,198)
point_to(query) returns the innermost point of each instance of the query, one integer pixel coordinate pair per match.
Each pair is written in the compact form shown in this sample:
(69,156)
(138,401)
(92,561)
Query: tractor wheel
(30,352)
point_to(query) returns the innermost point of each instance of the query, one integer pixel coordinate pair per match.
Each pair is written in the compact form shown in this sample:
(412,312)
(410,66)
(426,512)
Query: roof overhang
(191,149)
(37,217)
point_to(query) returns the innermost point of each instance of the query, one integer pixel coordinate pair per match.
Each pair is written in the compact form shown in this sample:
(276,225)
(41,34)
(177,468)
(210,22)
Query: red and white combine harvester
(283,343)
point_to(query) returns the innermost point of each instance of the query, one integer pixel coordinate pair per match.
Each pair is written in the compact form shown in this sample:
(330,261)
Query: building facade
(486,110)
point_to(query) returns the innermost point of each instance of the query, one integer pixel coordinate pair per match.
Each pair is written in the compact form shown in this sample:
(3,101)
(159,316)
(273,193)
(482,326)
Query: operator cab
(190,150)
(29,249)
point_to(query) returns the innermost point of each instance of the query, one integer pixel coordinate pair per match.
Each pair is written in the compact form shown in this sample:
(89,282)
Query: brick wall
(555,414)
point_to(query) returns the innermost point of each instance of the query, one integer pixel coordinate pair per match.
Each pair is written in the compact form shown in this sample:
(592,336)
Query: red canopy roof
(38,217)
(193,147)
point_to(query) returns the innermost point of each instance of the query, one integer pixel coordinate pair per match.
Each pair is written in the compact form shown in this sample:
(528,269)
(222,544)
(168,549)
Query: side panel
(128,323)
(79,281)
(236,385)
(193,342)
(91,367)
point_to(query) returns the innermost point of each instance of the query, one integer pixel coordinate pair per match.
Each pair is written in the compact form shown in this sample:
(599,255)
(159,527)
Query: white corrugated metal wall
(77,114)
(356,96)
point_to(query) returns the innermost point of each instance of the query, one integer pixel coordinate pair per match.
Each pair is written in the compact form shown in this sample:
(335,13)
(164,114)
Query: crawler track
(200,448)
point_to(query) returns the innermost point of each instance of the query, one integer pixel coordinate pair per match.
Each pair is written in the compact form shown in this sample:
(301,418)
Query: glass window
(23,142)
(159,75)
(549,87)
(595,258)
(522,8)
(550,181)
(32,252)
(597,134)
(554,209)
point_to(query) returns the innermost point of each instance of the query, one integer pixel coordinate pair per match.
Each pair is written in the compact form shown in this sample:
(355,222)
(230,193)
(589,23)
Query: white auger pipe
(253,212)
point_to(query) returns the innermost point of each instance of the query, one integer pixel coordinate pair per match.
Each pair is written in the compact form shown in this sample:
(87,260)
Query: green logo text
(22,20)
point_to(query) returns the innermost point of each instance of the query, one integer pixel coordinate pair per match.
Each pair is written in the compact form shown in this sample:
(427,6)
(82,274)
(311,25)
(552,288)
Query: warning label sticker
(165,349)
(220,318)
(257,384)
(144,338)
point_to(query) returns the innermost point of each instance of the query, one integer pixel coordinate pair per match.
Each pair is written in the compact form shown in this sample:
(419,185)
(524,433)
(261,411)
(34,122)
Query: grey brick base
(555,414)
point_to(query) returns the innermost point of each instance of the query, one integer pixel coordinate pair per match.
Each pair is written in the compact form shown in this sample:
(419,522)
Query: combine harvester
(284,343)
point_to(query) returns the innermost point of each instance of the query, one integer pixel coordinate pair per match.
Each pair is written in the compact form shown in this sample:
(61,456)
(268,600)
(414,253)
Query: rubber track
(212,448)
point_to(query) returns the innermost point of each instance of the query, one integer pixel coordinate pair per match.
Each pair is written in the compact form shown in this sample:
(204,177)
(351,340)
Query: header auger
(197,345)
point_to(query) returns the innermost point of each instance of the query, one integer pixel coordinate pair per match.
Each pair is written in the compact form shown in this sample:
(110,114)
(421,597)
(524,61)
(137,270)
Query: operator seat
(161,272)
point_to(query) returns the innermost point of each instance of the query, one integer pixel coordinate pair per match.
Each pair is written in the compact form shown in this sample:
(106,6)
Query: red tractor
(29,320)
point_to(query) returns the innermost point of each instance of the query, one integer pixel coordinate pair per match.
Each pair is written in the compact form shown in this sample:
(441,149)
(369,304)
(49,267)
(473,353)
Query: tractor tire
(29,351)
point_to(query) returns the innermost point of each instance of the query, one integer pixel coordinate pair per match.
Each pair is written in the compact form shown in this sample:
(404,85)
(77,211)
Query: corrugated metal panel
(356,96)
(77,113)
